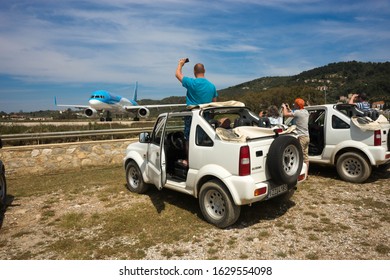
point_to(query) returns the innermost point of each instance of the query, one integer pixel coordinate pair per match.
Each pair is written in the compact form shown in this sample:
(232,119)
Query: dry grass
(91,215)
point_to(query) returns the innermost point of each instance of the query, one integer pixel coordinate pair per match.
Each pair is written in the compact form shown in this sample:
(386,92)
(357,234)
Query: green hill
(320,85)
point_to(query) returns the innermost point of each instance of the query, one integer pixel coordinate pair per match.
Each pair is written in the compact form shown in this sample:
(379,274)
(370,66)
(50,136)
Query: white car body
(214,162)
(337,138)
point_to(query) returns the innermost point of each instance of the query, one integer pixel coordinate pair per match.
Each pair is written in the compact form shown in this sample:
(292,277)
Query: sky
(69,49)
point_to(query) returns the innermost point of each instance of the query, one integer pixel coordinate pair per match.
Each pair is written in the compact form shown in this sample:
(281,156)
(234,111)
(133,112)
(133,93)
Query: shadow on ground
(266,210)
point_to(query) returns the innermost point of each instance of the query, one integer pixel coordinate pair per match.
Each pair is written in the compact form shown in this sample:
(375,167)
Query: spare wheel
(285,160)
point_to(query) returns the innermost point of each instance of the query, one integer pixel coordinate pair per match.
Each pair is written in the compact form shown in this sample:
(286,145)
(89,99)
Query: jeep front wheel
(135,182)
(217,205)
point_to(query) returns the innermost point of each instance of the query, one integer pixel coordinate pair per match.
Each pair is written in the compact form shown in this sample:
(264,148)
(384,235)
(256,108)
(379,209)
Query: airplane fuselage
(102,100)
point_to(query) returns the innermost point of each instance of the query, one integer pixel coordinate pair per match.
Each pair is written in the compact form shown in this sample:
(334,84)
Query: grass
(91,215)
(125,225)
(135,229)
(382,249)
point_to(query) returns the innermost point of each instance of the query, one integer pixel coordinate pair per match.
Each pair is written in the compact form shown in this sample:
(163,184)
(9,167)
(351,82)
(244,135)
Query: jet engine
(143,112)
(90,112)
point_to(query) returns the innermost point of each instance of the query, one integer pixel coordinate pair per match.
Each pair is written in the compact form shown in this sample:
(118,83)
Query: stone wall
(56,157)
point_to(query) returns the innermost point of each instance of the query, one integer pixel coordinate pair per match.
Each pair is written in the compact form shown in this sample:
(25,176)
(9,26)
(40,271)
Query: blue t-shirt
(199,90)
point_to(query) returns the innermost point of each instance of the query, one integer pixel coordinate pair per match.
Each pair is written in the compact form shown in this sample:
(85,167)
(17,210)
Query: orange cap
(300,102)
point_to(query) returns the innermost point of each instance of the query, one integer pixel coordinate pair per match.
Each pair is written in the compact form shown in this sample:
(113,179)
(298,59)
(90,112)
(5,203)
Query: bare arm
(353,97)
(287,112)
(179,73)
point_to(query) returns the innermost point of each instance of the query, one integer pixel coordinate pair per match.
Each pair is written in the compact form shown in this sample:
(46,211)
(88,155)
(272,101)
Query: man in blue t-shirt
(199,90)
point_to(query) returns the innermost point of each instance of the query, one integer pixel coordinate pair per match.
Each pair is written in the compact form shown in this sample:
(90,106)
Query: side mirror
(144,137)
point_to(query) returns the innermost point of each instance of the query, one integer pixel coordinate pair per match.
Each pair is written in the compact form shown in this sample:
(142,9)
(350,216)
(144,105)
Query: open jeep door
(156,154)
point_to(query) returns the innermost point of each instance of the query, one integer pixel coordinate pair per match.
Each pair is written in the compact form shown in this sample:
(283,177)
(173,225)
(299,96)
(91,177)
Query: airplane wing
(131,108)
(74,106)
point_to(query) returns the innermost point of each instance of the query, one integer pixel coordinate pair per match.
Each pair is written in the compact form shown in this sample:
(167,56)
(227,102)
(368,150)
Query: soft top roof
(229,103)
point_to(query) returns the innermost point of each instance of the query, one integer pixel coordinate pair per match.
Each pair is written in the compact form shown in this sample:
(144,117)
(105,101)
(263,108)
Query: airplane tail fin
(135,91)
(55,100)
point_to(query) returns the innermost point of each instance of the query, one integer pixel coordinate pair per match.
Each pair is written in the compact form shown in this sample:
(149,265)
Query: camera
(187,60)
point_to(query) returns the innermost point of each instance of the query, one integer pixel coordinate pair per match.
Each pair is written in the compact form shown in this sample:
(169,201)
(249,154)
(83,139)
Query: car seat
(241,122)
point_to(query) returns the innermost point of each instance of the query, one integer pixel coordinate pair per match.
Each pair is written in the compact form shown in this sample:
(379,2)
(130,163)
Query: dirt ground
(325,219)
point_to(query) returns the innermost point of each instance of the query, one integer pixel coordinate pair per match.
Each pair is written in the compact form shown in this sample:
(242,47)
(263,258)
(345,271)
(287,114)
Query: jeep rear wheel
(217,205)
(353,167)
(285,160)
(135,182)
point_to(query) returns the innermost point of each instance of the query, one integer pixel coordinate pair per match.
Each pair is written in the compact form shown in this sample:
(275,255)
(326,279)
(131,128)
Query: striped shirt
(364,106)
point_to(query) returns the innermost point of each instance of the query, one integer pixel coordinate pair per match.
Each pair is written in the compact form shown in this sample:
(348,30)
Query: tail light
(301,177)
(377,138)
(244,167)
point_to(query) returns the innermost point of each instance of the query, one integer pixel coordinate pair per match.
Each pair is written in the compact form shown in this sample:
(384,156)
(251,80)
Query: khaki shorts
(304,141)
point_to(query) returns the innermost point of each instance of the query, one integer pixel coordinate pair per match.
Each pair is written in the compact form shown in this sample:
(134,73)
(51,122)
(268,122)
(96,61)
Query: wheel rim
(133,178)
(352,167)
(215,204)
(290,160)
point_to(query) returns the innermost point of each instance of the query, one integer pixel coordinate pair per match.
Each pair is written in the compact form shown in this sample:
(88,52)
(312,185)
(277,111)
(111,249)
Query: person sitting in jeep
(363,105)
(360,100)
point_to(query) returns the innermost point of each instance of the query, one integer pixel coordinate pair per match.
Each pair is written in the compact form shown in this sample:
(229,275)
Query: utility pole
(325,93)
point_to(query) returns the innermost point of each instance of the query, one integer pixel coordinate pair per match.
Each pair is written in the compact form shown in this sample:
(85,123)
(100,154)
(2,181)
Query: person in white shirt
(301,118)
(274,116)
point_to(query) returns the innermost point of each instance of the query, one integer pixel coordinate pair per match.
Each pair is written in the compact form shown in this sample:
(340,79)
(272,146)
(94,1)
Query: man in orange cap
(301,120)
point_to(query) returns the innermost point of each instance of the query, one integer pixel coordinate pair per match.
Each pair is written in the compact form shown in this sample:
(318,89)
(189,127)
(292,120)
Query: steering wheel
(177,140)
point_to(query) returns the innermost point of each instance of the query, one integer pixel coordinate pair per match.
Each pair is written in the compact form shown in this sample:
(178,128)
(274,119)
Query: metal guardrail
(71,134)
(38,137)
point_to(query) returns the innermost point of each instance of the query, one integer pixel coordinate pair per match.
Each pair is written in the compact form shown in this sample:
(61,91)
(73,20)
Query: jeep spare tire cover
(285,160)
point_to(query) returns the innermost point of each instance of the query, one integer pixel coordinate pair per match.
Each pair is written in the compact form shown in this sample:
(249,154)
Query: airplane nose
(97,104)
(94,102)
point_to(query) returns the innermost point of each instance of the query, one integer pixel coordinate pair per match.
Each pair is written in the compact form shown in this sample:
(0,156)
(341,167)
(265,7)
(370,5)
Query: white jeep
(341,135)
(231,161)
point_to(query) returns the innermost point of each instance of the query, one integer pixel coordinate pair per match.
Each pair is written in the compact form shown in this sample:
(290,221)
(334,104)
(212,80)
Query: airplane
(103,101)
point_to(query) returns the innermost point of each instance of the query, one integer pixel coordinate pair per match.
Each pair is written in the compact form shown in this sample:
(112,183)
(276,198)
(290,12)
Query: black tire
(135,182)
(353,167)
(285,160)
(3,191)
(217,205)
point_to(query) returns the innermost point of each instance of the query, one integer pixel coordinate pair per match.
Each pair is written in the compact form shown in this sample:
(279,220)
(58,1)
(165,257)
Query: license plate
(277,190)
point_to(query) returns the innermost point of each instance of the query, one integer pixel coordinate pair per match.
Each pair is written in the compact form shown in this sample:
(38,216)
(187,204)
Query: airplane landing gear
(107,118)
